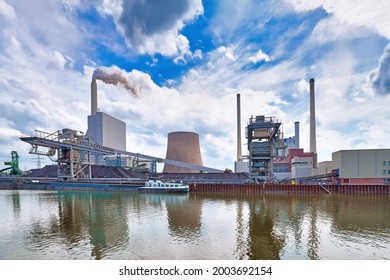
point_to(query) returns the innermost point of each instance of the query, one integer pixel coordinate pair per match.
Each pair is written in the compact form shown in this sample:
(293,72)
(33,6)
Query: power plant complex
(105,144)
(270,158)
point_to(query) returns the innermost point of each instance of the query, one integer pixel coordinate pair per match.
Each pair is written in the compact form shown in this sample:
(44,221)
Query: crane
(14,164)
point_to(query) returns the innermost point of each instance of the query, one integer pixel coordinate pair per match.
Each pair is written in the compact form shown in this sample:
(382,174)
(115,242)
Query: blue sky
(189,59)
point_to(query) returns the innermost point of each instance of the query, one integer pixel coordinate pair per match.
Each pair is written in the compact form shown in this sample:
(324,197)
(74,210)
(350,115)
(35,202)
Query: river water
(131,225)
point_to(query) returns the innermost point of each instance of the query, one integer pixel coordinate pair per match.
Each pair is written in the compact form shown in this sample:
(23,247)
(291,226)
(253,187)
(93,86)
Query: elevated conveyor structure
(73,151)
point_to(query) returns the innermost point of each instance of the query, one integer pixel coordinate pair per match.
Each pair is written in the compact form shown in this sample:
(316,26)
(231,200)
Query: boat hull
(165,190)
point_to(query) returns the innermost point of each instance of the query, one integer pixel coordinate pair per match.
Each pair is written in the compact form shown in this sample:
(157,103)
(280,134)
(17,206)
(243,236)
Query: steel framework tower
(264,141)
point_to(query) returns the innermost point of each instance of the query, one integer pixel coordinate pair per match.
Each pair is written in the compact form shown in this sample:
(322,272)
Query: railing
(42,134)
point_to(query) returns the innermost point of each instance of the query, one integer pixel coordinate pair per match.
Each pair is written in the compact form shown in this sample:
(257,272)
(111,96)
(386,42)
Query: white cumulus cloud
(260,56)
(227,52)
(367,14)
(154,26)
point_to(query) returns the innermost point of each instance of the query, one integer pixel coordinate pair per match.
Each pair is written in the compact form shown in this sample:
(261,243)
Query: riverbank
(293,189)
(20,183)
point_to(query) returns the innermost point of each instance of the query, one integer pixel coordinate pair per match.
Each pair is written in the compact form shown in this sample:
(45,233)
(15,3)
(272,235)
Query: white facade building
(301,167)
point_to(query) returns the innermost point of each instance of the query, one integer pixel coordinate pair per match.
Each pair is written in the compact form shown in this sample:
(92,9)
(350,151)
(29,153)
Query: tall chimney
(94,105)
(313,141)
(296,137)
(239,151)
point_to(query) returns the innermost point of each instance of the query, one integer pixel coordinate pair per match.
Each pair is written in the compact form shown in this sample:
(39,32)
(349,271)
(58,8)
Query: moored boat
(159,186)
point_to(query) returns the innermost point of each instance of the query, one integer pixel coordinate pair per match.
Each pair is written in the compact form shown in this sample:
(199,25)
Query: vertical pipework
(296,134)
(239,152)
(313,144)
(94,105)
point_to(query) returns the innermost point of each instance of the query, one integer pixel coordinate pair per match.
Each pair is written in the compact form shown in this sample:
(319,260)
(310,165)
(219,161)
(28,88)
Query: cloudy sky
(188,59)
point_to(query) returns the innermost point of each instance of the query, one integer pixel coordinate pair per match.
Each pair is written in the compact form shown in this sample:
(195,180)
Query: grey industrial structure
(103,129)
(264,141)
(364,166)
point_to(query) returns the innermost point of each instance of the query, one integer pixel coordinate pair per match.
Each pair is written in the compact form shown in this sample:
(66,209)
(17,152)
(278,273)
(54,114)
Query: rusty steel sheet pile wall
(293,189)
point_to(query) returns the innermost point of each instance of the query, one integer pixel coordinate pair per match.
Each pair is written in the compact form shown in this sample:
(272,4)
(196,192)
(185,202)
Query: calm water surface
(120,225)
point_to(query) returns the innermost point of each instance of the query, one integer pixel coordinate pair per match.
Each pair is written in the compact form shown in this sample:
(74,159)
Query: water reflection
(184,217)
(264,241)
(16,203)
(313,239)
(94,225)
(99,217)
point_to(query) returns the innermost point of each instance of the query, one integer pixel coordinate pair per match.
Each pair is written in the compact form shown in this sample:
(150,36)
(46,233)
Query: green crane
(14,163)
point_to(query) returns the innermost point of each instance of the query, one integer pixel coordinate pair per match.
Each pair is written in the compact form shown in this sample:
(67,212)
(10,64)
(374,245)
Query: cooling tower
(183,146)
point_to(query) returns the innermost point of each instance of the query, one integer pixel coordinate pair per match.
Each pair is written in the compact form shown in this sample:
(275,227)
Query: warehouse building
(371,166)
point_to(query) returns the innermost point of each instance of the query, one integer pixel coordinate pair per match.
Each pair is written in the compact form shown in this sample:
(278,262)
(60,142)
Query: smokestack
(239,152)
(296,134)
(94,105)
(313,141)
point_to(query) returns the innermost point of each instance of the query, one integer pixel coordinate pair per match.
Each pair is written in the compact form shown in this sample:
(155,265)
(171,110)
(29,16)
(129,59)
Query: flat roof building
(107,131)
(362,166)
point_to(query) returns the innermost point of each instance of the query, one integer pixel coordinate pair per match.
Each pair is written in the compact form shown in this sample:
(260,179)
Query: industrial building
(272,157)
(303,167)
(298,163)
(103,129)
(293,141)
(264,141)
(356,167)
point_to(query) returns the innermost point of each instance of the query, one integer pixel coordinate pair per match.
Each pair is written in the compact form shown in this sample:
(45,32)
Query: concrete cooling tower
(183,146)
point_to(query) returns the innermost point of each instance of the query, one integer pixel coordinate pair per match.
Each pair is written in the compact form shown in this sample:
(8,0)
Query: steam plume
(116,76)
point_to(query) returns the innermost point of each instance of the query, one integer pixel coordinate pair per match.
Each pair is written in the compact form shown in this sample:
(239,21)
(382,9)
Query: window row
(386,172)
(386,163)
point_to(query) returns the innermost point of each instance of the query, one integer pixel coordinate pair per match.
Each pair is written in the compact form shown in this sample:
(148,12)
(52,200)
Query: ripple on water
(89,225)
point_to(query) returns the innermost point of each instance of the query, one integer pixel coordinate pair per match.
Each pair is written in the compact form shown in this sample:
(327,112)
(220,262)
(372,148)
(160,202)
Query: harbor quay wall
(208,187)
(292,189)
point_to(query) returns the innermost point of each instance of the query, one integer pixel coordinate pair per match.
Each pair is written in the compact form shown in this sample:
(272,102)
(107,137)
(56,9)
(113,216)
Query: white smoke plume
(116,76)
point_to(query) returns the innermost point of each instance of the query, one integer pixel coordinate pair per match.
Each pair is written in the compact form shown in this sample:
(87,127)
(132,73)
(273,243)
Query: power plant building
(301,167)
(284,168)
(371,166)
(264,141)
(107,131)
(104,129)
(292,142)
